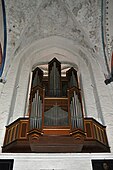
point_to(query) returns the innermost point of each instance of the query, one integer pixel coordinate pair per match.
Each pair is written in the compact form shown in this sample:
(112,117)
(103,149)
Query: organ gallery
(56,84)
(56,121)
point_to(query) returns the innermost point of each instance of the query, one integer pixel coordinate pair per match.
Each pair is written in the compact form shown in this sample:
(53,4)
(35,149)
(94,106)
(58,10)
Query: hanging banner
(3,36)
(112,65)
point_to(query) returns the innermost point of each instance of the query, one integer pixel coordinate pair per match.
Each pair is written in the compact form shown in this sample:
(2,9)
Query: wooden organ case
(56,122)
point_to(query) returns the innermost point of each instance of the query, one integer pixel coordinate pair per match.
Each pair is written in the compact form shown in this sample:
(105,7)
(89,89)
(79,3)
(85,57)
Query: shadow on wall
(109,79)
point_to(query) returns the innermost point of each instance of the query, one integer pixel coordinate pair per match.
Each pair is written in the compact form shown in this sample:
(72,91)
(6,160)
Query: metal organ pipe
(54,78)
(76,107)
(73,81)
(76,112)
(81,117)
(54,81)
(72,113)
(51,82)
(36,112)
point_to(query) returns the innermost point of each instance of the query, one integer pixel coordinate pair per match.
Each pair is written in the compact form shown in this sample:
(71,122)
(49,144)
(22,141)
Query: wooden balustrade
(17,137)
(16,130)
(95,131)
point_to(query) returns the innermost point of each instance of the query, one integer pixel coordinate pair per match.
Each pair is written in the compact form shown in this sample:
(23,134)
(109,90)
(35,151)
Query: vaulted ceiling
(88,22)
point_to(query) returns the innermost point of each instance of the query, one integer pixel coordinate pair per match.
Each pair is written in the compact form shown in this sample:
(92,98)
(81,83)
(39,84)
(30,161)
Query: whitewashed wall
(98,101)
(74,38)
(67,161)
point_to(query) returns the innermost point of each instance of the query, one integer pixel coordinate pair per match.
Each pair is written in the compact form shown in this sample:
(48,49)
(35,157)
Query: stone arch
(35,54)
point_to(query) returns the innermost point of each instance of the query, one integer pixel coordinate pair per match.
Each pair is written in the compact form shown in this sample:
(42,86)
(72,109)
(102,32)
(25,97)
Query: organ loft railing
(56,122)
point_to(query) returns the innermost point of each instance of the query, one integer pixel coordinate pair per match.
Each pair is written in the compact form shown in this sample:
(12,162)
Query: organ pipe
(36,112)
(76,112)
(37,77)
(54,78)
(55,115)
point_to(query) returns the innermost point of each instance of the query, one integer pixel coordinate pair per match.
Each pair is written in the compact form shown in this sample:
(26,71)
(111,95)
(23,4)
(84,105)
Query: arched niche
(32,56)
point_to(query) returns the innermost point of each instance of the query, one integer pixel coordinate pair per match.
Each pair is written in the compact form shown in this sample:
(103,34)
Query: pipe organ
(54,78)
(36,112)
(56,117)
(37,77)
(72,78)
(76,112)
(55,113)
(56,122)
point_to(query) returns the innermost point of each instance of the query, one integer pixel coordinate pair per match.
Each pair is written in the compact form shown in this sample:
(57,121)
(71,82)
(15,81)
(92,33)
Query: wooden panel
(13,133)
(59,138)
(56,131)
(50,102)
(98,133)
(8,136)
(5,140)
(104,136)
(17,131)
(88,130)
(59,101)
(95,132)
(101,137)
(23,130)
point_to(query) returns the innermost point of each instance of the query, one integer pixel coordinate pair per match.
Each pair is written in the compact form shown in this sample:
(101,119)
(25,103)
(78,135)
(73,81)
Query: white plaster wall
(78,20)
(68,161)
(19,64)
(91,110)
(1,88)
(13,99)
(105,101)
(7,93)
(64,57)
(67,53)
